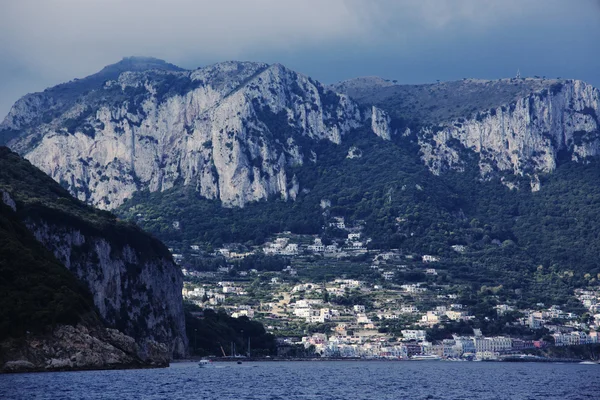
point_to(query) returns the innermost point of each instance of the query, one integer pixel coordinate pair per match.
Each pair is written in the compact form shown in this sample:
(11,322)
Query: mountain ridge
(281,152)
(154,125)
(150,129)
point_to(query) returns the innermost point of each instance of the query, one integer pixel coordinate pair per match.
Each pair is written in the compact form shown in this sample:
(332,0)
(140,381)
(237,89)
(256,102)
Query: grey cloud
(43,43)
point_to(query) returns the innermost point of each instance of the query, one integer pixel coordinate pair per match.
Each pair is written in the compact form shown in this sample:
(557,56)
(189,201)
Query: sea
(329,380)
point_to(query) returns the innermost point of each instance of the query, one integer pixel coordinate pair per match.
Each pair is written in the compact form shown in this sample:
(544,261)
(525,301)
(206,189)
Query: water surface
(316,380)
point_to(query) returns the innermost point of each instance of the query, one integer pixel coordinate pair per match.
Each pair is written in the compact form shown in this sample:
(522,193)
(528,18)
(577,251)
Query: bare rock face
(232,130)
(229,130)
(140,296)
(78,347)
(525,137)
(128,275)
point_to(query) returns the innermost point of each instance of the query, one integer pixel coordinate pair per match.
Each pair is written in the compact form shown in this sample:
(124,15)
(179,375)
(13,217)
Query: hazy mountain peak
(136,63)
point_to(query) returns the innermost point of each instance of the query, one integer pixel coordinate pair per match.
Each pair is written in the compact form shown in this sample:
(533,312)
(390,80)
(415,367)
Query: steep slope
(47,317)
(38,108)
(434,103)
(533,246)
(135,285)
(30,275)
(516,127)
(525,137)
(230,130)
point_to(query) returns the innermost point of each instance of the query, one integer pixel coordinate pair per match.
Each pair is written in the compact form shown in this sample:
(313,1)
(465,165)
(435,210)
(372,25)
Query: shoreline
(39,370)
(260,359)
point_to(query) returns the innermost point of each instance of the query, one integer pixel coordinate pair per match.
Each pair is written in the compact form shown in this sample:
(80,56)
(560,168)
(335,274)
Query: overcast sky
(46,42)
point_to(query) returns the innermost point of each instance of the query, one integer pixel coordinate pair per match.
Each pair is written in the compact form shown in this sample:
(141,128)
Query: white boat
(429,357)
(588,363)
(204,363)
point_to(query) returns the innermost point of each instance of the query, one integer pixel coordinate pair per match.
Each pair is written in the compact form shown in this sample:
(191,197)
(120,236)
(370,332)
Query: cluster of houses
(575,338)
(454,312)
(413,343)
(281,247)
(213,295)
(312,312)
(555,319)
(357,327)
(567,327)
(591,300)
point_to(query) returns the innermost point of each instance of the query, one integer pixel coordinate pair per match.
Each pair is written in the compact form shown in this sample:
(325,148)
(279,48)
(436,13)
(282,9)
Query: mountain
(231,130)
(38,108)
(517,127)
(234,130)
(236,152)
(64,261)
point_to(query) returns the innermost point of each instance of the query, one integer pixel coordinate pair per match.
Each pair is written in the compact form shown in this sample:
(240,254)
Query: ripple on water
(315,380)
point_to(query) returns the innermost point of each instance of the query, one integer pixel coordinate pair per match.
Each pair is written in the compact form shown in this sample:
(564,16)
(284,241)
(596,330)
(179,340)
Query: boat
(204,363)
(428,357)
(588,363)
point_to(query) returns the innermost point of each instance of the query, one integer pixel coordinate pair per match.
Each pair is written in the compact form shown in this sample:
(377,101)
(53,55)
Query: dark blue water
(316,380)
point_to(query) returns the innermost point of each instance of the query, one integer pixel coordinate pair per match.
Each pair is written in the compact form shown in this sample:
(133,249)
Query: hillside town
(378,317)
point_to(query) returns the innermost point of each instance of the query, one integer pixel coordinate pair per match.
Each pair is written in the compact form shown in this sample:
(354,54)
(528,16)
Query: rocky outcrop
(131,277)
(141,296)
(6,199)
(381,123)
(231,130)
(76,348)
(525,137)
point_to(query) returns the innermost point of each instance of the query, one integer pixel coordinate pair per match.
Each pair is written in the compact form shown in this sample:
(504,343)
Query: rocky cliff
(134,284)
(78,347)
(516,127)
(134,292)
(231,130)
(524,137)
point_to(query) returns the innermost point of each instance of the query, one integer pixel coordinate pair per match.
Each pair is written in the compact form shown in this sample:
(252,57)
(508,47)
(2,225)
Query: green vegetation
(581,352)
(38,197)
(37,291)
(431,104)
(209,330)
(530,246)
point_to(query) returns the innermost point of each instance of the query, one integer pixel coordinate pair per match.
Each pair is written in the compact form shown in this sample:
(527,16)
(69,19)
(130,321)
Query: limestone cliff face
(131,277)
(138,295)
(524,137)
(229,130)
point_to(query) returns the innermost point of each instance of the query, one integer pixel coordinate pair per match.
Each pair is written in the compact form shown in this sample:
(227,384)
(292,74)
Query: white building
(388,275)
(412,334)
(359,308)
(409,309)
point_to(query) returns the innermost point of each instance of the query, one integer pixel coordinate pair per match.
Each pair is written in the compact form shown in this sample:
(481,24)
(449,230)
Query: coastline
(357,359)
(14,367)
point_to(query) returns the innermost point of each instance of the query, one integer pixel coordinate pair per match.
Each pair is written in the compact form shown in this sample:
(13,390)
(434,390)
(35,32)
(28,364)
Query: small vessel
(428,357)
(588,363)
(204,363)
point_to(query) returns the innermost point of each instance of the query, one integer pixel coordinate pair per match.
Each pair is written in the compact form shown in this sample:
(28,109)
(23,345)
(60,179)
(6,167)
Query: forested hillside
(536,246)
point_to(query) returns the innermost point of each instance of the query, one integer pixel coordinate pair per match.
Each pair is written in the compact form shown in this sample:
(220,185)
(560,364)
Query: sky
(46,42)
